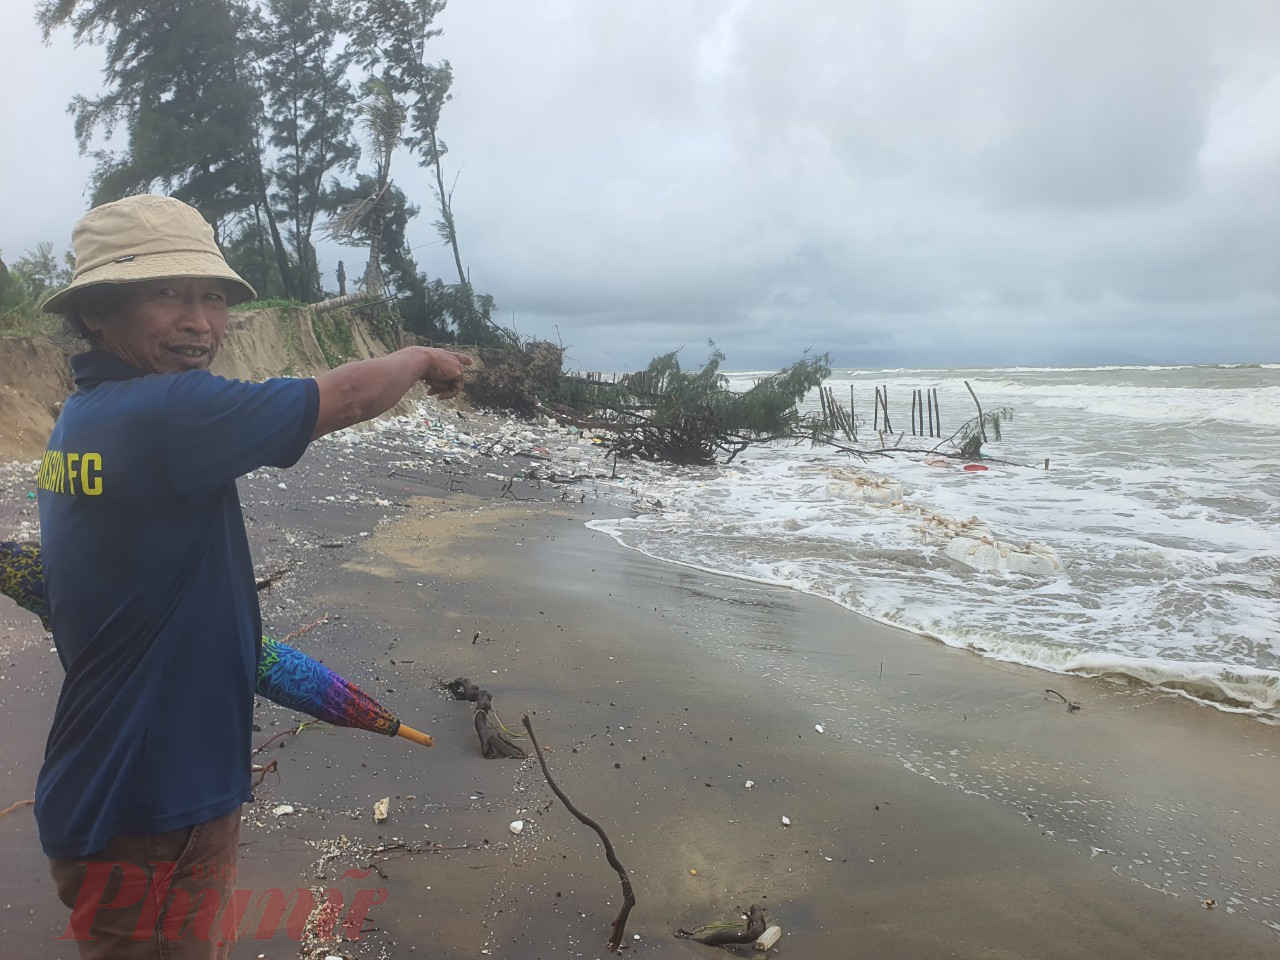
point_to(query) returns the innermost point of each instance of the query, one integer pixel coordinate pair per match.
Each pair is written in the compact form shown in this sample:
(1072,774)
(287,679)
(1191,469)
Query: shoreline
(963,812)
(1138,674)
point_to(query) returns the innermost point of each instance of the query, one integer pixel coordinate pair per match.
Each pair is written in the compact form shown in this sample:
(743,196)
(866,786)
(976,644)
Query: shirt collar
(96,366)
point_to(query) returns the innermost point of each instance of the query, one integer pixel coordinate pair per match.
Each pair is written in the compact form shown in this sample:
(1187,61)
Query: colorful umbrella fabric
(286,675)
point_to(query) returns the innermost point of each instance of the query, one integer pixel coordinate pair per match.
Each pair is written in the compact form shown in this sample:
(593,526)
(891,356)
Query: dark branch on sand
(628,897)
(267,582)
(1071,707)
(494,742)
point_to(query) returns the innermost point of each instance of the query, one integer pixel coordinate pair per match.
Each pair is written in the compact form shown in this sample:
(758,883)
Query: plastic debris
(769,938)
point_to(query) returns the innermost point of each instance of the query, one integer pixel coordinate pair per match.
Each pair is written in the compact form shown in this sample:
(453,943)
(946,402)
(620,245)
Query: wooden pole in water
(929,398)
(876,425)
(853,417)
(884,397)
(915,397)
(937,410)
(982,426)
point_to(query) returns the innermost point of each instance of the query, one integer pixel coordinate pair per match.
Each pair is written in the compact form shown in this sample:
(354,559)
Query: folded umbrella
(286,675)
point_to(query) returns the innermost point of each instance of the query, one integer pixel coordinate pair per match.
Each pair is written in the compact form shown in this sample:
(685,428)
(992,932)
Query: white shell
(786,821)
(750,784)
(769,937)
(517,826)
(818,727)
(381,809)
(283,809)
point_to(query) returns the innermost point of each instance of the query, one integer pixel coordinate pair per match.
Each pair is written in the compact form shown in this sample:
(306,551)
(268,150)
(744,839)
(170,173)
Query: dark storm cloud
(895,182)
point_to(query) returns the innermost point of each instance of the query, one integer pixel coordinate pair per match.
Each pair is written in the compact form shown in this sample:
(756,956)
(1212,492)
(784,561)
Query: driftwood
(267,582)
(494,743)
(463,689)
(1072,706)
(729,934)
(628,896)
(16,806)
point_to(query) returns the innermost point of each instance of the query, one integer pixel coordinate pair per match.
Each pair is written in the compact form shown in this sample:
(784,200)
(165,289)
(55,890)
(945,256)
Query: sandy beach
(658,692)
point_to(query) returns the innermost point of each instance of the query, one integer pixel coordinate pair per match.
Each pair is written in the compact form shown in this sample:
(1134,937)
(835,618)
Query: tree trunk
(446,209)
(334,303)
(282,258)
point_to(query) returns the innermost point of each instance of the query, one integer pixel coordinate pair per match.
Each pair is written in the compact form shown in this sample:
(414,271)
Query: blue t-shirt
(152,595)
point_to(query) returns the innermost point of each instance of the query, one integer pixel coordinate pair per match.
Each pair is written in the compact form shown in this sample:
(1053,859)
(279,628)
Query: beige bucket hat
(146,238)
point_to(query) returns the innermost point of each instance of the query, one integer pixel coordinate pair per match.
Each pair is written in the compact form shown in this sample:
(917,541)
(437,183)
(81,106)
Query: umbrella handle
(416,736)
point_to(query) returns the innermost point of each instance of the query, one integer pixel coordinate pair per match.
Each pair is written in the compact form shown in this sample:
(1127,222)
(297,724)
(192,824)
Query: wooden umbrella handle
(415,735)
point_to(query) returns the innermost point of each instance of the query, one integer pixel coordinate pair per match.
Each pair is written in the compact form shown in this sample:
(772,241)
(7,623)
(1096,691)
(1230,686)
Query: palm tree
(381,120)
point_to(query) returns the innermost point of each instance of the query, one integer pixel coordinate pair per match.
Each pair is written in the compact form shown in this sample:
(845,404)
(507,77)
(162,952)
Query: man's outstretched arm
(361,390)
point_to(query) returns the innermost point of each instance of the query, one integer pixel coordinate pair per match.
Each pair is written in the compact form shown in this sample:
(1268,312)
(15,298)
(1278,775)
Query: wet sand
(949,807)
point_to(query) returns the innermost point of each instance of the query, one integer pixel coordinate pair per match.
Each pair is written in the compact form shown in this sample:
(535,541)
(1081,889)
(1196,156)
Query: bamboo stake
(981,426)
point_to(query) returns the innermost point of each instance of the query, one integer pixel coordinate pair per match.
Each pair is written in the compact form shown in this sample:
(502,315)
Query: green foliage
(251,250)
(685,417)
(973,434)
(177,82)
(389,40)
(450,311)
(25,284)
(244,108)
(268,303)
(307,119)
(334,335)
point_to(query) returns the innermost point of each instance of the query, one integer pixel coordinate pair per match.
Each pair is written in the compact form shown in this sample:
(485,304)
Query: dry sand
(659,692)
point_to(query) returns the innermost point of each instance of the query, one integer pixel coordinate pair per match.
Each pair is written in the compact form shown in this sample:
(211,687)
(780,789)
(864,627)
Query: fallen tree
(691,417)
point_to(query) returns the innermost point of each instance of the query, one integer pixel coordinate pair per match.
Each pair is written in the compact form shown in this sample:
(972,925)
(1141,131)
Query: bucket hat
(146,238)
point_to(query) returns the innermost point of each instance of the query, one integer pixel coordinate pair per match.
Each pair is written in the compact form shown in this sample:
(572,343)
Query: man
(150,584)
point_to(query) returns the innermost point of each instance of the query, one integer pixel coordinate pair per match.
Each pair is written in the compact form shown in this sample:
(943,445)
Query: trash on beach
(862,485)
(988,555)
(769,938)
(717,934)
(283,810)
(381,809)
(786,821)
(517,827)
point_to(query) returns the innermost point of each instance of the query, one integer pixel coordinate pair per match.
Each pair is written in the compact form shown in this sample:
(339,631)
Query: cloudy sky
(895,182)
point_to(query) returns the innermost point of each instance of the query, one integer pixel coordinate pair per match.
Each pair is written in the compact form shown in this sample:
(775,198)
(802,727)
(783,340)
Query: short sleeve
(217,429)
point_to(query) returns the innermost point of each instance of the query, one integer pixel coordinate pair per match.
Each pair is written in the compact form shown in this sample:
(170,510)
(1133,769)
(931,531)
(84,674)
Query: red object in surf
(974,467)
